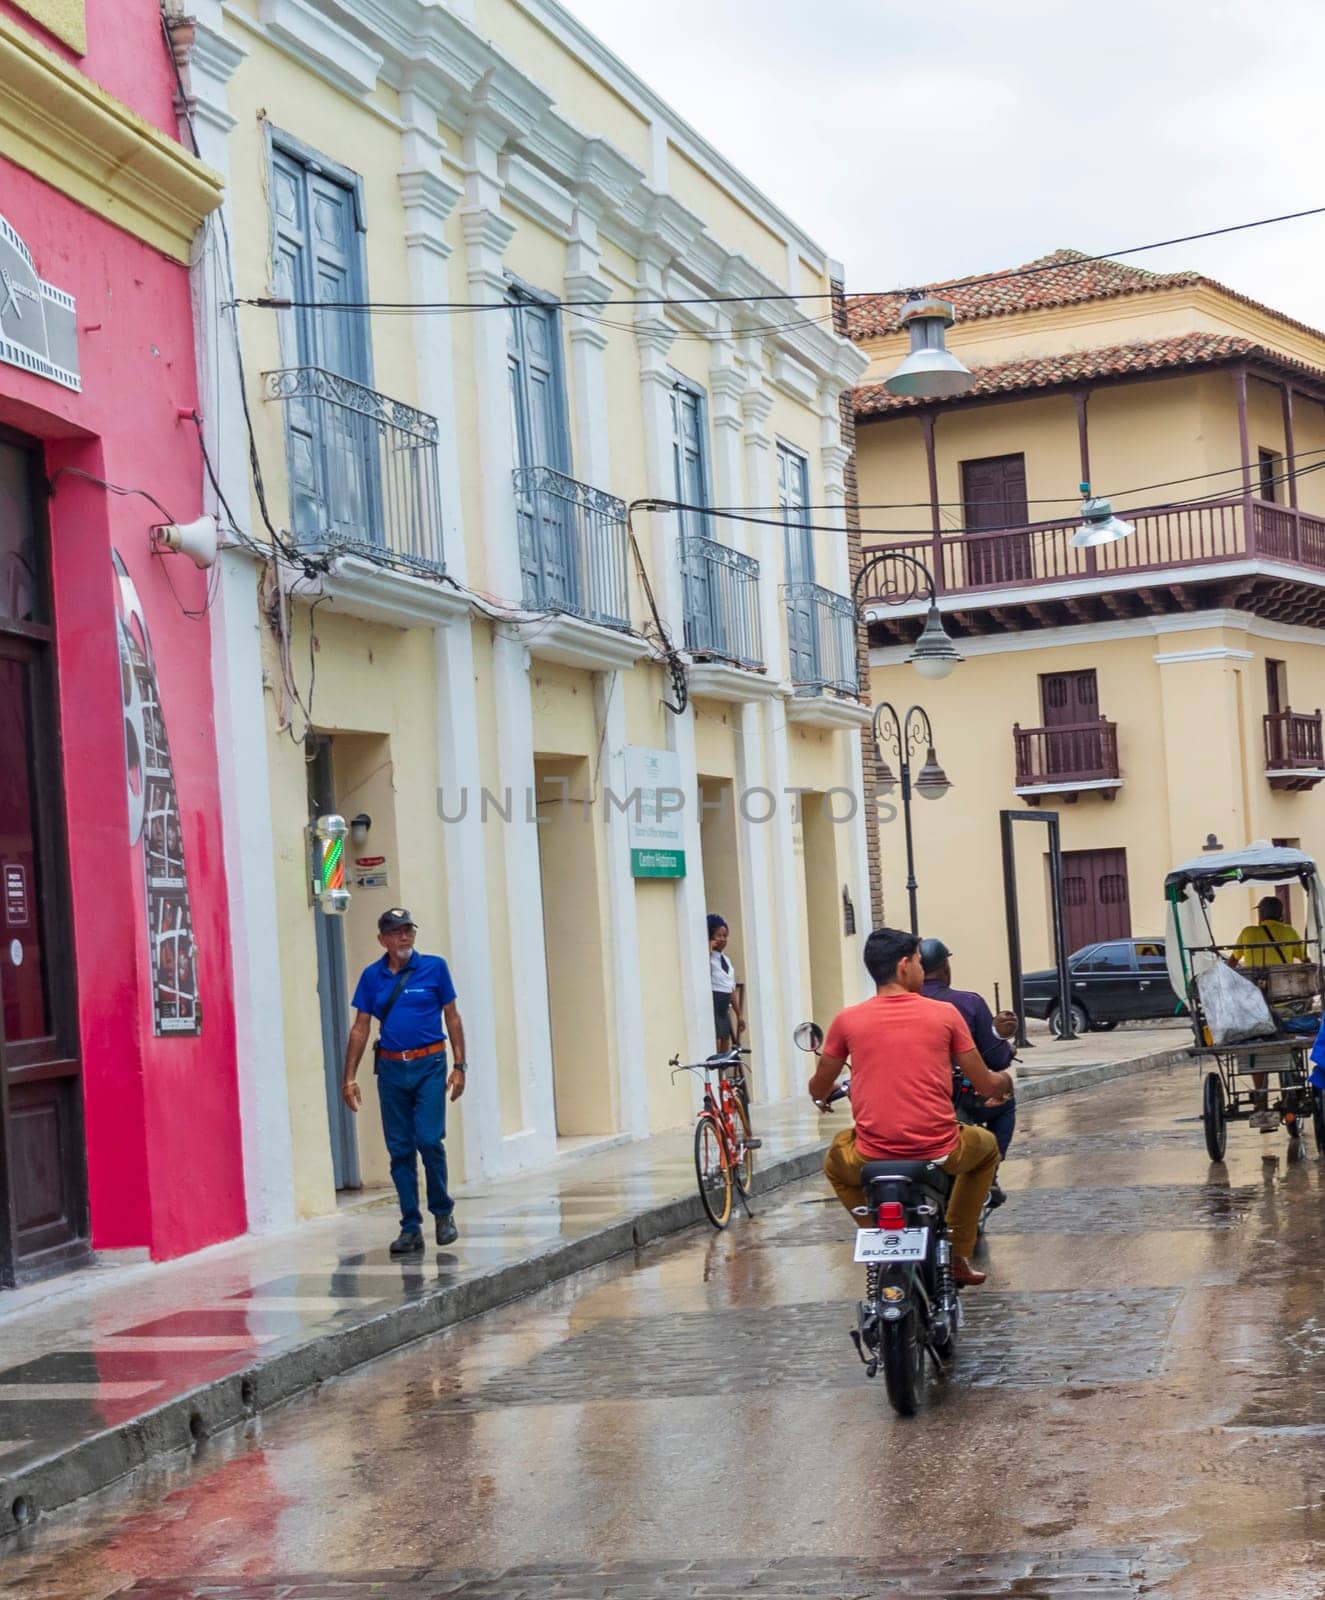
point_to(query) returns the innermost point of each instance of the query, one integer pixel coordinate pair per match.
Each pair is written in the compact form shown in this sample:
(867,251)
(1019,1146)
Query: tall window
(545,518)
(318,254)
(690,459)
(798,558)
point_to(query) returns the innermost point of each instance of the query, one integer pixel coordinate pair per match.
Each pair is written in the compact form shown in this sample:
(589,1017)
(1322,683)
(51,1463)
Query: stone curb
(90,1464)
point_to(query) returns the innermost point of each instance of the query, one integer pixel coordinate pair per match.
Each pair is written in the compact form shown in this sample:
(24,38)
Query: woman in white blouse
(728,1024)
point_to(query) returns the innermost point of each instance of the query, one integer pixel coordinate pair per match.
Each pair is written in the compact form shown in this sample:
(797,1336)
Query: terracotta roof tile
(1081,366)
(1063,278)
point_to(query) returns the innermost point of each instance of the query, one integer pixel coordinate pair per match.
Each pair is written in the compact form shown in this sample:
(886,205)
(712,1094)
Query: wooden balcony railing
(1294,753)
(1209,533)
(1078,753)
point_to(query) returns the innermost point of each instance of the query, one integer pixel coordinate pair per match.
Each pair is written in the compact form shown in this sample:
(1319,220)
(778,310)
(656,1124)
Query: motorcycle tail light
(891,1215)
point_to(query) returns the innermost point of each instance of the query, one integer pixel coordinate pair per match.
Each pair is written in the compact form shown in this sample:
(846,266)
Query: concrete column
(487,233)
(626,973)
(654,339)
(467,892)
(236,649)
(770,1031)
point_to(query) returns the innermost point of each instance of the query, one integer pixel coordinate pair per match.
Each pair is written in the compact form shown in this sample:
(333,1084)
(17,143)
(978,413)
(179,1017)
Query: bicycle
(724,1146)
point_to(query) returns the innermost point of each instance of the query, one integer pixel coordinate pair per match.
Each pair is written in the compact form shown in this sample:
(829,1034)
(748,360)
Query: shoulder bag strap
(390,1001)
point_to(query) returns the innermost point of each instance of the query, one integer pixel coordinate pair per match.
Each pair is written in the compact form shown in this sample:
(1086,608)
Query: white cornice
(304,31)
(1168,658)
(576,643)
(827,711)
(1086,634)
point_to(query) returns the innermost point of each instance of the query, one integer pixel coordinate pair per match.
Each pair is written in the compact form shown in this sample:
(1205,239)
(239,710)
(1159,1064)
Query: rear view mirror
(808,1036)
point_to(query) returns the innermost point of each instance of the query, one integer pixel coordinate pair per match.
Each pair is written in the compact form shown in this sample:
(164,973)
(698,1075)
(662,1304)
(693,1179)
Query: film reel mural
(154,822)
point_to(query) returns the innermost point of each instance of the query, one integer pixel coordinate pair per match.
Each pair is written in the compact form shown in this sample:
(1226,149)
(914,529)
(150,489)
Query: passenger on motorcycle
(991,1035)
(901,1048)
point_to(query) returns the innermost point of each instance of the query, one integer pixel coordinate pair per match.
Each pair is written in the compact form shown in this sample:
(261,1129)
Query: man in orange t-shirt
(901,1047)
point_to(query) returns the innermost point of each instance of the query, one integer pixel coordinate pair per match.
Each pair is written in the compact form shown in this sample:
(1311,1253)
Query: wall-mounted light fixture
(196,540)
(359,828)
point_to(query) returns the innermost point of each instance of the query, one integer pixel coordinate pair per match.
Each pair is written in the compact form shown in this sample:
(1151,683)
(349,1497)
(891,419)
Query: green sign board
(658,863)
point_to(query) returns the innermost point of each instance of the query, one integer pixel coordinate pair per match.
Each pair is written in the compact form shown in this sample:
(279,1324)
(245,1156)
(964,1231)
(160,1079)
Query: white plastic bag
(1235,1009)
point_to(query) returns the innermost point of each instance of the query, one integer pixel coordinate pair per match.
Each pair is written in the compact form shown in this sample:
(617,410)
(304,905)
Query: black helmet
(933,953)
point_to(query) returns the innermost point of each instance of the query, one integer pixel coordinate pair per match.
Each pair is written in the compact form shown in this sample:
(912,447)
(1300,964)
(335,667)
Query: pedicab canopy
(1190,888)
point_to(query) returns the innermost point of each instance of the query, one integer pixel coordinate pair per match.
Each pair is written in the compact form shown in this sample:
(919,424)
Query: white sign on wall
(655,803)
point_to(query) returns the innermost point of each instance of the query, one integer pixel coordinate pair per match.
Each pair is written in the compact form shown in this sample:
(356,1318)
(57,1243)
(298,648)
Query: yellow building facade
(450,298)
(1157,692)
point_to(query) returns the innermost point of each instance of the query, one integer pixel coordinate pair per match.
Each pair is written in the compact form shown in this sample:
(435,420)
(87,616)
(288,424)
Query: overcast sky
(917,142)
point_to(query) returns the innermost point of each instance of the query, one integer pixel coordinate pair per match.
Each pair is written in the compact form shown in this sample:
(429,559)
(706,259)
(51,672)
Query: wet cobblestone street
(1137,1408)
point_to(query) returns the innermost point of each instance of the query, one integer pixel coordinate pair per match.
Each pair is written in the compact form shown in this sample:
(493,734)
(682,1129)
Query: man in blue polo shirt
(411,995)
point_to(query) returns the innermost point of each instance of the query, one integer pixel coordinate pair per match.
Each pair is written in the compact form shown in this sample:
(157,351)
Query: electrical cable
(272,302)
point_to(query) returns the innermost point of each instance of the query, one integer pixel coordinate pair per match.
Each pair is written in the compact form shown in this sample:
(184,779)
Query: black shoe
(447,1232)
(409,1243)
(996,1198)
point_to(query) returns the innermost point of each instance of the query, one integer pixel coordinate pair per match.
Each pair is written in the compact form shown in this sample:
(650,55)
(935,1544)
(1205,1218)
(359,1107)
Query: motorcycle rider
(991,1035)
(902,1048)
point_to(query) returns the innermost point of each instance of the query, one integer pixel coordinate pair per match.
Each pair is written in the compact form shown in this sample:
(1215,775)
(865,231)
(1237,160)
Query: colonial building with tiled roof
(1151,691)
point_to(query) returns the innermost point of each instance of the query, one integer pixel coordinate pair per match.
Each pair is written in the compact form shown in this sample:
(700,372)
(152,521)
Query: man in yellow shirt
(1269,941)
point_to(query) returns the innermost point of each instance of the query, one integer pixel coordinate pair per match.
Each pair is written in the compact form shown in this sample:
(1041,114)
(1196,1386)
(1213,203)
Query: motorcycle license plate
(883,1244)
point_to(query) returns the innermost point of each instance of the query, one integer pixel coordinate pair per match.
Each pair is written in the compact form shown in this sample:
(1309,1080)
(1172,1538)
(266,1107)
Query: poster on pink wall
(154,822)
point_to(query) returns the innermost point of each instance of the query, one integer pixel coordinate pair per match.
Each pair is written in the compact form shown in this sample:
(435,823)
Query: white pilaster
(769,1030)
(465,851)
(587,342)
(428,200)
(240,715)
(691,900)
(627,974)
(756,406)
(654,338)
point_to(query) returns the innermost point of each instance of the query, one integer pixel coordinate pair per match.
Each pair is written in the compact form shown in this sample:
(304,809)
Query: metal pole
(910,856)
(1060,941)
(1006,819)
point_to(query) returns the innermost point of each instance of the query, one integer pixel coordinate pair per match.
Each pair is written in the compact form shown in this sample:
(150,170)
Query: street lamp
(1098,523)
(933,655)
(930,371)
(905,737)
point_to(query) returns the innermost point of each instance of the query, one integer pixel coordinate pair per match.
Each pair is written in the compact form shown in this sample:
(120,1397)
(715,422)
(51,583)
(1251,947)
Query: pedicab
(1254,1025)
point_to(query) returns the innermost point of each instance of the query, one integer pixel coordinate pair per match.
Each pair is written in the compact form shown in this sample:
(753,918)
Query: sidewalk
(107,1368)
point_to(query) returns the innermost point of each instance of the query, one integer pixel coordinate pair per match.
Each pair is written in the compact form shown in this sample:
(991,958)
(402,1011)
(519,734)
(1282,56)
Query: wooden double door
(43,1186)
(1096,905)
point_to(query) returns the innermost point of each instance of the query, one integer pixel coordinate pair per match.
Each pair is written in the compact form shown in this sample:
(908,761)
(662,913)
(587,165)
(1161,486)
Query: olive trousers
(972,1164)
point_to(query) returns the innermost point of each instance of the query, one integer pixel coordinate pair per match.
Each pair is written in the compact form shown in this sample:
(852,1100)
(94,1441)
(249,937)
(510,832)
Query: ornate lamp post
(905,737)
(933,655)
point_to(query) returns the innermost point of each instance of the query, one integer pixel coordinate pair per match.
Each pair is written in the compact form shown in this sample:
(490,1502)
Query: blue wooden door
(332,442)
(798,565)
(545,511)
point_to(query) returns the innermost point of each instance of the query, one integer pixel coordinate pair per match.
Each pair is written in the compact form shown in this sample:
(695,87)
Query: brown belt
(411,1055)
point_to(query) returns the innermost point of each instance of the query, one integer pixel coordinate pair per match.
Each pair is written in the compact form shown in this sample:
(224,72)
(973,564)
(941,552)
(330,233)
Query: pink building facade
(119,1121)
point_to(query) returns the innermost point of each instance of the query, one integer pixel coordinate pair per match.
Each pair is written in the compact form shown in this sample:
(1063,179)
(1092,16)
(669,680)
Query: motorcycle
(911,1308)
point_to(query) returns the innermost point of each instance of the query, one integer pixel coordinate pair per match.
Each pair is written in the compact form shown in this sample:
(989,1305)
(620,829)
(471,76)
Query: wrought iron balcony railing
(821,636)
(362,468)
(573,547)
(1084,753)
(1294,750)
(1194,537)
(721,602)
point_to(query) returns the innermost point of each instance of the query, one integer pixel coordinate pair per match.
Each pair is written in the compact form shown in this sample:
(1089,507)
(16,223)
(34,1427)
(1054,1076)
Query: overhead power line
(280,303)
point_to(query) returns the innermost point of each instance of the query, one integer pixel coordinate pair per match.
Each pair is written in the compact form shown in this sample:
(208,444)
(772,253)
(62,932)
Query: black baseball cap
(933,953)
(397,917)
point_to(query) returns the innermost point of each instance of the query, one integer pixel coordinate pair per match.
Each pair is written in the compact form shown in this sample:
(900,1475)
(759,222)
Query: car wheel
(1080,1021)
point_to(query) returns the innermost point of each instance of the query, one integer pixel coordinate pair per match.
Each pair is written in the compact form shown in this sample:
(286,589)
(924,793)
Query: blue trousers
(412,1095)
(1000,1120)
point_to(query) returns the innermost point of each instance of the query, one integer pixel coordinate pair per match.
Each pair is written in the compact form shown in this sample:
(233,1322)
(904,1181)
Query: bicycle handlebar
(732,1058)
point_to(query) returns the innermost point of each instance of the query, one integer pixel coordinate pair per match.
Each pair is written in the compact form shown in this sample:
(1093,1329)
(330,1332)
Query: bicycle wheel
(713,1171)
(743,1168)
